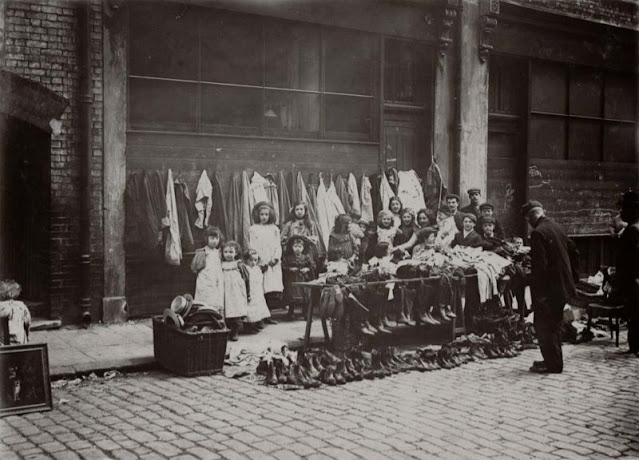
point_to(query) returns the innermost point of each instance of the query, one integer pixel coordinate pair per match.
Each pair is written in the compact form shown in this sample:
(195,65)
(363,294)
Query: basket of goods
(190,338)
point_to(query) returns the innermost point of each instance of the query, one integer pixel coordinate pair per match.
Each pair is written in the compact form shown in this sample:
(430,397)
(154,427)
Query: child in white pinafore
(264,237)
(207,263)
(236,288)
(257,309)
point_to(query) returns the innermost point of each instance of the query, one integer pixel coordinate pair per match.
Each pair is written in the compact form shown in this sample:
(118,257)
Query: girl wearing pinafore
(236,287)
(264,237)
(258,311)
(207,263)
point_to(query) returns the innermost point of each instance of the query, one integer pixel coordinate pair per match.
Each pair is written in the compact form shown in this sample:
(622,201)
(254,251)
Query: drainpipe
(458,100)
(86,98)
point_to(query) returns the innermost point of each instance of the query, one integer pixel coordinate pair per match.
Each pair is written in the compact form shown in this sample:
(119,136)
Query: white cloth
(203,200)
(235,296)
(173,246)
(257,307)
(409,190)
(366,200)
(209,286)
(248,203)
(447,231)
(386,192)
(265,239)
(329,206)
(258,189)
(353,195)
(19,320)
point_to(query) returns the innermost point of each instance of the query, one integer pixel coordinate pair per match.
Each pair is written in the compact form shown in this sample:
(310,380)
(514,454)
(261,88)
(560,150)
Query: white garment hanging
(367,200)
(329,206)
(203,200)
(409,190)
(258,189)
(386,192)
(173,247)
(353,195)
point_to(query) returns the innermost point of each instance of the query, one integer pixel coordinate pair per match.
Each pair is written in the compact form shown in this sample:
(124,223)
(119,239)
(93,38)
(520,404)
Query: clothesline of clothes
(173,219)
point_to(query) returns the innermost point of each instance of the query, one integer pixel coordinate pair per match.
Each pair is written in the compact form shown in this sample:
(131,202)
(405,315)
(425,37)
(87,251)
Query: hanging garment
(385,192)
(234,208)
(209,286)
(329,207)
(154,205)
(185,214)
(353,195)
(257,307)
(203,201)
(367,200)
(258,189)
(283,197)
(266,240)
(219,217)
(134,212)
(312,208)
(342,192)
(173,246)
(376,196)
(409,190)
(247,209)
(273,197)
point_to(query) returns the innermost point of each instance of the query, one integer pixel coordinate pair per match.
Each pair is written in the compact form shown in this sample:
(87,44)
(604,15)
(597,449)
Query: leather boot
(387,324)
(339,377)
(271,376)
(441,310)
(292,375)
(366,329)
(401,319)
(341,368)
(329,378)
(432,314)
(317,363)
(282,377)
(312,371)
(427,319)
(351,370)
(449,312)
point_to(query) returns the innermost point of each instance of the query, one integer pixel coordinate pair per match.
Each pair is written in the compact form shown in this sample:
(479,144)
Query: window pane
(291,111)
(620,143)
(548,88)
(350,62)
(406,72)
(231,107)
(157,104)
(231,48)
(292,56)
(507,85)
(621,97)
(585,140)
(585,92)
(163,41)
(502,145)
(547,137)
(348,114)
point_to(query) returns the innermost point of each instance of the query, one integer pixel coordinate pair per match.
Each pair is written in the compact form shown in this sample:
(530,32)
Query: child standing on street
(264,237)
(258,312)
(207,264)
(236,288)
(298,266)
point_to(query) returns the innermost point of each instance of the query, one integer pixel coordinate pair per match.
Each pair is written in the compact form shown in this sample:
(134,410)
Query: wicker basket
(186,353)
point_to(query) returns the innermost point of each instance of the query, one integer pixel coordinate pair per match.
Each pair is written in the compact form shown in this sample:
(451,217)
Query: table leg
(327,338)
(309,318)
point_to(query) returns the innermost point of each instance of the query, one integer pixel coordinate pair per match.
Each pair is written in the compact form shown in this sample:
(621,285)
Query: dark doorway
(24,205)
(404,141)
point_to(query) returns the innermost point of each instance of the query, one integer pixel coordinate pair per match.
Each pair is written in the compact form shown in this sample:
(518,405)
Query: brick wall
(41,44)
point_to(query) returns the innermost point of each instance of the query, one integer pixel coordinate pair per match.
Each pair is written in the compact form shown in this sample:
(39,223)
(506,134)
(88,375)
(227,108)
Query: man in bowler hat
(628,267)
(552,283)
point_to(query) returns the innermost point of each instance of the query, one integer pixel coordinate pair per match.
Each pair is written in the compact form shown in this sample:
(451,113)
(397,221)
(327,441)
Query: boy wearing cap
(474,194)
(552,283)
(487,210)
(628,266)
(468,236)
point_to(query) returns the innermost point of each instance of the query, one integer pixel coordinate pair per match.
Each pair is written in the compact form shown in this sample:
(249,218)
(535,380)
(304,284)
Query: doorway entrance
(404,142)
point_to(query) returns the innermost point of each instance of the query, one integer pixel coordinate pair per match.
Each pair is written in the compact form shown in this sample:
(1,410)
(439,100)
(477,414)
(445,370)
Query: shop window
(348,114)
(548,87)
(584,140)
(350,62)
(156,104)
(620,142)
(231,109)
(291,111)
(547,137)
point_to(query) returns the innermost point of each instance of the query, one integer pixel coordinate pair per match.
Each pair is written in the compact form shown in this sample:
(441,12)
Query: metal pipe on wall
(86,99)
(456,169)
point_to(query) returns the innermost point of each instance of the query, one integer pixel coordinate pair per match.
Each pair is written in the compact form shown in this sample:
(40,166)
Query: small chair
(611,311)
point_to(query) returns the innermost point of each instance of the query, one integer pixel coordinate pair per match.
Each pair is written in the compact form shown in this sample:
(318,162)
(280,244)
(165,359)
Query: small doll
(264,237)
(395,206)
(297,266)
(236,288)
(16,311)
(207,263)
(300,223)
(406,229)
(341,238)
(257,312)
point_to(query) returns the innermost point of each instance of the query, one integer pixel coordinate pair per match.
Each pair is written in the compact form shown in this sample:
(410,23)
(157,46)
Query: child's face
(298,248)
(252,260)
(213,241)
(422,219)
(363,227)
(430,240)
(264,214)
(407,219)
(394,206)
(386,222)
(487,212)
(468,224)
(228,253)
(489,229)
(299,211)
(518,242)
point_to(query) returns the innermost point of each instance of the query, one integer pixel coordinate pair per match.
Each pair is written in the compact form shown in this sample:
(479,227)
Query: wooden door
(404,142)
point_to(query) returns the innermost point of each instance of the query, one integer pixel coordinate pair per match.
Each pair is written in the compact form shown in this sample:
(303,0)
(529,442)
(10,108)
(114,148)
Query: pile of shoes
(192,316)
(436,315)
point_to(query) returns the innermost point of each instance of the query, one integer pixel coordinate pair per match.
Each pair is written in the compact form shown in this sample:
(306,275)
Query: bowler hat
(531,204)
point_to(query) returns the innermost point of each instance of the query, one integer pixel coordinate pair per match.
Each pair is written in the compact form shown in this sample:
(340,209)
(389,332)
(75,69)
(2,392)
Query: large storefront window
(581,113)
(211,71)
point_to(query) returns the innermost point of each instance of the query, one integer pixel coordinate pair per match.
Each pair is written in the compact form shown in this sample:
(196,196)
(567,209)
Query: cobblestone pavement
(488,409)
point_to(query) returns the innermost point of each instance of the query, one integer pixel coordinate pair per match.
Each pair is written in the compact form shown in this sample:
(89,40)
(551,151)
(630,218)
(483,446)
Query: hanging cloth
(310,199)
(234,208)
(353,195)
(219,217)
(134,209)
(258,189)
(329,207)
(375,194)
(385,192)
(185,214)
(312,208)
(173,246)
(247,207)
(283,197)
(367,200)
(409,190)
(342,193)
(203,201)
(273,197)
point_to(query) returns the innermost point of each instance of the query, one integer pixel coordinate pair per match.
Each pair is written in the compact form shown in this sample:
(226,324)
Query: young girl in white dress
(207,264)
(264,237)
(236,288)
(258,312)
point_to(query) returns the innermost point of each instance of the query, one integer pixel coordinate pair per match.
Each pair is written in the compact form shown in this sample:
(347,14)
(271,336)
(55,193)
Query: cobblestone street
(486,409)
